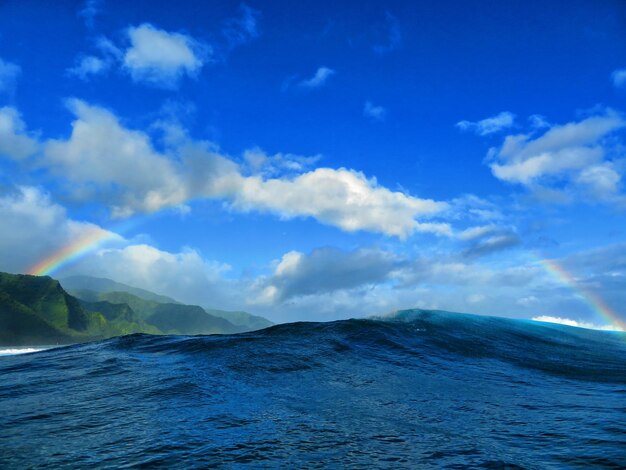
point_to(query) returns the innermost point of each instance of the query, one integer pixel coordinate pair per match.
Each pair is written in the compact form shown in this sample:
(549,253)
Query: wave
(417,337)
(420,388)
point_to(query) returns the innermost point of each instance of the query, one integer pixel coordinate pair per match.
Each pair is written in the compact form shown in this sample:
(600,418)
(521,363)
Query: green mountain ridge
(170,318)
(37,310)
(102,284)
(84,287)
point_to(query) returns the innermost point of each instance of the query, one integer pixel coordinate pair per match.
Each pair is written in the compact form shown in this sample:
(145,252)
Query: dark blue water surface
(424,390)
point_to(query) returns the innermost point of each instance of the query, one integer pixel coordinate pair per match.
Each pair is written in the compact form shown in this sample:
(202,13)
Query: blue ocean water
(422,390)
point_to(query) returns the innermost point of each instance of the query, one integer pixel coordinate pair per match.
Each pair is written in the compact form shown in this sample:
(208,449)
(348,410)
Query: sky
(321,160)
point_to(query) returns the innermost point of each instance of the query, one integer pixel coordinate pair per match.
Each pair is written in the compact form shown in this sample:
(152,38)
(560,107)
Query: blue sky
(315,160)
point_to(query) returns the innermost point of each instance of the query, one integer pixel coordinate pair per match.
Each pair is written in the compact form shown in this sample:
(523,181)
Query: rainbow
(593,300)
(72,251)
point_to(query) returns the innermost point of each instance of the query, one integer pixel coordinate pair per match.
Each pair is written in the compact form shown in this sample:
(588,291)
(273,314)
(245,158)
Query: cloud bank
(576,156)
(104,161)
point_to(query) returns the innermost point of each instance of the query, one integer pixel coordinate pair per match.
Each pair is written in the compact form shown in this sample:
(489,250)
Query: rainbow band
(595,302)
(72,252)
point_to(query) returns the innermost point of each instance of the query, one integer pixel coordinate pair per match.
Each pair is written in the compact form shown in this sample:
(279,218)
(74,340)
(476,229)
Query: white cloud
(39,228)
(15,141)
(122,164)
(88,66)
(319,79)
(183,275)
(343,198)
(9,72)
(476,232)
(260,163)
(601,180)
(576,323)
(619,78)
(572,153)
(324,270)
(488,125)
(375,113)
(162,58)
(102,160)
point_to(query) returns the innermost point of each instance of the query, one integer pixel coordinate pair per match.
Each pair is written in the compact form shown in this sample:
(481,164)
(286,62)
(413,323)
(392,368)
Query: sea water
(421,390)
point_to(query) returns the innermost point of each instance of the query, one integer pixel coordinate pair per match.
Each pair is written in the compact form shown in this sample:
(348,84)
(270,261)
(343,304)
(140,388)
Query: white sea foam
(12,351)
(579,324)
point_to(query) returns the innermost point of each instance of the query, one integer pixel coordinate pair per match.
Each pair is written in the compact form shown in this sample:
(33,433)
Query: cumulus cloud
(389,35)
(39,228)
(319,79)
(102,160)
(100,153)
(577,152)
(9,72)
(601,181)
(619,78)
(576,323)
(89,65)
(488,125)
(162,58)
(375,113)
(15,141)
(325,270)
(343,198)
(183,275)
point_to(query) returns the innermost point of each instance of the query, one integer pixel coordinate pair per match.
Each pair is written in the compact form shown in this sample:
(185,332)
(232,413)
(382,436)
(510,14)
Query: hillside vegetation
(37,310)
(144,302)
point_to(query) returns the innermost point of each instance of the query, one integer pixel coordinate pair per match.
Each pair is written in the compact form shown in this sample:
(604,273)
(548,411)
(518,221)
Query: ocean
(420,390)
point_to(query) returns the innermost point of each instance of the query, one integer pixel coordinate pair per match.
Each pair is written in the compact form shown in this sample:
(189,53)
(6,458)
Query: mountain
(170,318)
(91,289)
(245,320)
(141,307)
(101,284)
(189,320)
(37,310)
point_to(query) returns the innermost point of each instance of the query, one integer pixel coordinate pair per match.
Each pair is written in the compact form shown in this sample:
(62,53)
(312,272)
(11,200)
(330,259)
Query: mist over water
(425,389)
